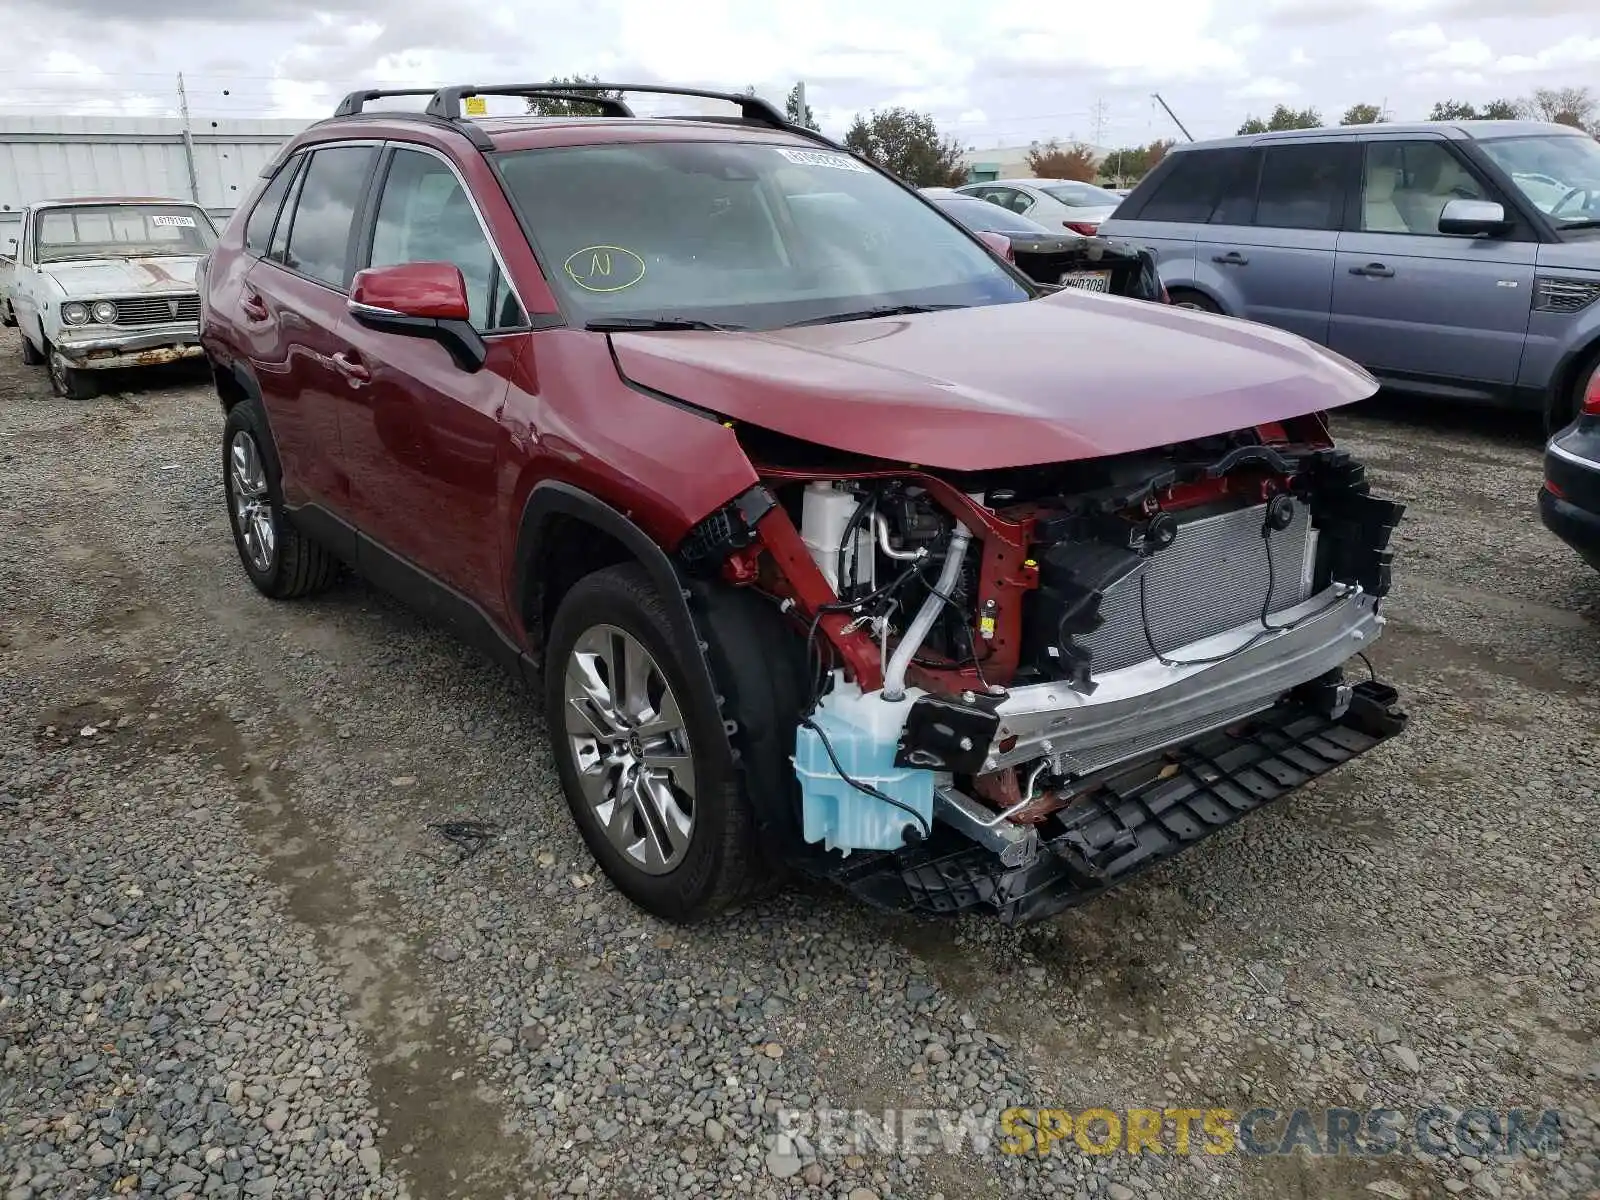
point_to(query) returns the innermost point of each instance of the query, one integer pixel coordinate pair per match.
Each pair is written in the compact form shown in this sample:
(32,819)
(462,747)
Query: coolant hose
(894,681)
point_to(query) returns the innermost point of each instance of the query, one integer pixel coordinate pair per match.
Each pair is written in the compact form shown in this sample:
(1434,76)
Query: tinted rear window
(1191,187)
(1302,187)
(259,230)
(319,239)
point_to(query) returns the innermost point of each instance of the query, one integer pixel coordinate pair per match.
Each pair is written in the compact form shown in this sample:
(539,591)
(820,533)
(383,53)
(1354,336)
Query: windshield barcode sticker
(823,158)
(173,222)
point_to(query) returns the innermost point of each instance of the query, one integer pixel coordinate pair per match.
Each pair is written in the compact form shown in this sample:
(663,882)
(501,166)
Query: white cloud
(1422,37)
(1011,76)
(1267,88)
(1569,53)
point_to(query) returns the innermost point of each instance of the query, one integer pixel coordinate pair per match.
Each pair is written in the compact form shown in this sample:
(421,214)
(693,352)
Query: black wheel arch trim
(246,380)
(554,498)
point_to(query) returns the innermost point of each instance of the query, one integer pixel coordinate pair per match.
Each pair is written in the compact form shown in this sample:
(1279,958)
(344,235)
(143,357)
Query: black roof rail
(355,102)
(447,101)
(351,109)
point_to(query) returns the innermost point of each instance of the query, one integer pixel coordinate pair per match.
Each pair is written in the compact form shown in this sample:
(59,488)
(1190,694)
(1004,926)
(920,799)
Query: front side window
(324,213)
(425,216)
(1405,186)
(1302,187)
(83,231)
(1559,174)
(740,234)
(1012,200)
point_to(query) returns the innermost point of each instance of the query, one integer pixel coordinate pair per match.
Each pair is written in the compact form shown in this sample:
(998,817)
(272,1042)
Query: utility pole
(1099,114)
(188,141)
(1172,114)
(800,102)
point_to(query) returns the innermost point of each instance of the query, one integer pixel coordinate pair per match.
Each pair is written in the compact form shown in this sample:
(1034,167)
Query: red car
(833,543)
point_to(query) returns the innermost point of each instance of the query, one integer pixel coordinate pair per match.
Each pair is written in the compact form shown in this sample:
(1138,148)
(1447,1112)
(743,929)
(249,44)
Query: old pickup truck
(102,284)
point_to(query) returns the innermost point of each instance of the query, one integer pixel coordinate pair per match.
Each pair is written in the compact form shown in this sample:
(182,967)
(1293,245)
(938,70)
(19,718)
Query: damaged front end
(1029,684)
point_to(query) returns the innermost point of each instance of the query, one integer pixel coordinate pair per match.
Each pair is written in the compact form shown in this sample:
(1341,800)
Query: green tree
(908,144)
(1055,161)
(791,108)
(1132,163)
(574,107)
(1362,114)
(1495,110)
(1283,117)
(1503,110)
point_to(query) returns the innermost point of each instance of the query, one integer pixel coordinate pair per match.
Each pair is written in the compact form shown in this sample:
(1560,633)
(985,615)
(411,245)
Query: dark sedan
(1071,260)
(1569,502)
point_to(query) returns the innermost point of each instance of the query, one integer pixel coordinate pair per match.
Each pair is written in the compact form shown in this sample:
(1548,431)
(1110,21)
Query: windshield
(743,235)
(983,215)
(1559,174)
(121,231)
(1081,195)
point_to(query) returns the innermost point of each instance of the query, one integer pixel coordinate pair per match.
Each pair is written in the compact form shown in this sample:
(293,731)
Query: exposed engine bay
(1028,683)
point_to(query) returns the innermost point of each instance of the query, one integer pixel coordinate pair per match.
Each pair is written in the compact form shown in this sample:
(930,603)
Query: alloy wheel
(252,508)
(630,747)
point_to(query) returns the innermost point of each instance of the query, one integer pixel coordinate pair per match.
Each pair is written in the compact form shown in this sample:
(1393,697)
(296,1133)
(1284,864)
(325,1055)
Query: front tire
(646,766)
(30,353)
(68,382)
(8,315)
(281,561)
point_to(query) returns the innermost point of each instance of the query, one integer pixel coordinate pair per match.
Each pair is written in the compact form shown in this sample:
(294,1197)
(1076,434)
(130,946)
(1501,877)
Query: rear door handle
(255,308)
(1232,259)
(352,369)
(1375,269)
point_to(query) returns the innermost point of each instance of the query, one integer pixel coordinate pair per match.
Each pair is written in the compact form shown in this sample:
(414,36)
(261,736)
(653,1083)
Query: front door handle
(1374,269)
(1231,259)
(352,369)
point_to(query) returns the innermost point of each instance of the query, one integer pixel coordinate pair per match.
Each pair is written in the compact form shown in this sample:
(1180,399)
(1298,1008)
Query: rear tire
(8,315)
(638,752)
(1182,298)
(281,561)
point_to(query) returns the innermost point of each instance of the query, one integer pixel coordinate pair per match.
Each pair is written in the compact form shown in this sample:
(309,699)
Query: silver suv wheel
(630,747)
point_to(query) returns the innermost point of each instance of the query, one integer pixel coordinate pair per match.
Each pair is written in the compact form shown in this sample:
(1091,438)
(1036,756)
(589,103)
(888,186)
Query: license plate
(1092,281)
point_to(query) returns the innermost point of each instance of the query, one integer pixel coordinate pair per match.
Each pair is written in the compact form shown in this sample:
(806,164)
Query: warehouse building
(214,163)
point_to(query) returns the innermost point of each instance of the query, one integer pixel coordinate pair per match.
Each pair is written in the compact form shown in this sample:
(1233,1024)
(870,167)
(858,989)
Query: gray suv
(1458,260)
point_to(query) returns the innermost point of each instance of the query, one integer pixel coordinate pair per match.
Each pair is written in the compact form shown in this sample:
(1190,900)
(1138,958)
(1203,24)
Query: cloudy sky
(1002,73)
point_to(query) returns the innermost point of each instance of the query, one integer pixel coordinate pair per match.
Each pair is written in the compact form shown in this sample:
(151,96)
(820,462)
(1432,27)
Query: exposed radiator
(1212,578)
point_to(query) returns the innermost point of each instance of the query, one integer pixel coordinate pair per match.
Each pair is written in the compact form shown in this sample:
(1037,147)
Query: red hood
(1068,376)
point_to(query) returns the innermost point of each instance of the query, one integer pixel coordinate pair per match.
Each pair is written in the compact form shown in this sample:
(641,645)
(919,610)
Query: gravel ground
(236,961)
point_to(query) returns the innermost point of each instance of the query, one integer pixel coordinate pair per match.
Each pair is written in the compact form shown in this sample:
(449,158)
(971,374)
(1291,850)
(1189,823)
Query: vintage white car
(98,284)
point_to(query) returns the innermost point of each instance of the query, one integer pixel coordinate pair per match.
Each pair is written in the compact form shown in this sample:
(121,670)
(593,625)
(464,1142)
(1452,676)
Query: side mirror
(426,300)
(1470,218)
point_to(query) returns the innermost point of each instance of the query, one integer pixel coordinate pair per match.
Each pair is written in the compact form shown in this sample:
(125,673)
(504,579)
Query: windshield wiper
(1585,223)
(887,310)
(647,324)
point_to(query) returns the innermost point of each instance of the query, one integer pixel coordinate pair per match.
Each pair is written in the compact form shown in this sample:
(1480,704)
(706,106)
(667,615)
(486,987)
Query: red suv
(833,542)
